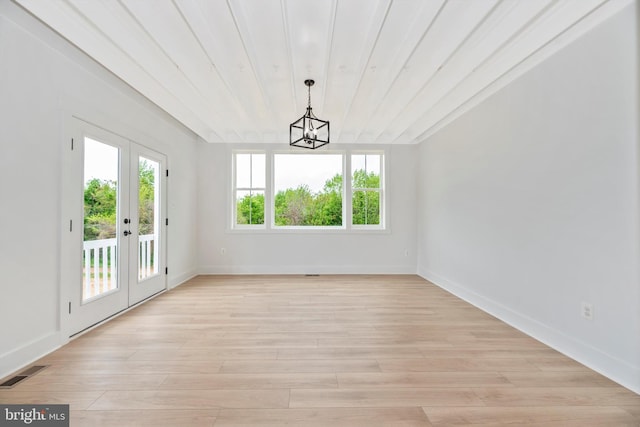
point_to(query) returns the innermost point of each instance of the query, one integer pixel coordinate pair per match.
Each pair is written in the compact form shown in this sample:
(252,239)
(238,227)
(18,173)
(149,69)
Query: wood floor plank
(254,343)
(529,416)
(421,380)
(557,365)
(309,326)
(93,382)
(633,410)
(392,397)
(323,417)
(191,399)
(381,342)
(77,400)
(559,379)
(192,354)
(134,367)
(96,353)
(137,418)
(252,381)
(455,365)
(497,352)
(349,353)
(558,396)
(322,365)
(330,350)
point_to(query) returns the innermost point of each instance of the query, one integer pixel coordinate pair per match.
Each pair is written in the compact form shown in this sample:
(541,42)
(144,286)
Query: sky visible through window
(100,161)
(369,163)
(293,170)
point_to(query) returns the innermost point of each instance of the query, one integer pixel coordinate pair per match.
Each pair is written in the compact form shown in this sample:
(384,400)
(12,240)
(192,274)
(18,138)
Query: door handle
(127,232)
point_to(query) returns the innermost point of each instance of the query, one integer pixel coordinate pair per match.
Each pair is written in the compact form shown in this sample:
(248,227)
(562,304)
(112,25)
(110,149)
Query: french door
(118,245)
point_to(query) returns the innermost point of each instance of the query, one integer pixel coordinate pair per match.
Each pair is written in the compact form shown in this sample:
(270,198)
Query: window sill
(309,230)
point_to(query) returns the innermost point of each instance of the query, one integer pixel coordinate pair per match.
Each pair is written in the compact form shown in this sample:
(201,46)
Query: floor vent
(13,381)
(29,372)
(312,275)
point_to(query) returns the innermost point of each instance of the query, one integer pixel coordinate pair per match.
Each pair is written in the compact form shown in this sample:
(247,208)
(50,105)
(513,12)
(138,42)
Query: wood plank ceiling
(386,71)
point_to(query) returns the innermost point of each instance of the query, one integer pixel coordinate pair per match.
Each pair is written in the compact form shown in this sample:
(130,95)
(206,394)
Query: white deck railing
(100,267)
(147,266)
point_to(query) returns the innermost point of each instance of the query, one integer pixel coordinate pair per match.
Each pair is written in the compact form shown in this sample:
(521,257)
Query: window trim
(347,226)
(381,190)
(235,189)
(272,205)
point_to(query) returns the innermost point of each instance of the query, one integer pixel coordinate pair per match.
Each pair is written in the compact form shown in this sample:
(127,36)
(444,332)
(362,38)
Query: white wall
(529,202)
(43,81)
(299,252)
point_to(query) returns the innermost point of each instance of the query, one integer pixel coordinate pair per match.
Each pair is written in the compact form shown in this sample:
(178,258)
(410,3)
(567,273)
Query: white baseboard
(307,269)
(611,367)
(21,357)
(17,359)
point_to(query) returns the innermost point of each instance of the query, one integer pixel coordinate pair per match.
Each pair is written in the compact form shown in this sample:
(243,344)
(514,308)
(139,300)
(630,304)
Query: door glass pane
(100,211)
(148,217)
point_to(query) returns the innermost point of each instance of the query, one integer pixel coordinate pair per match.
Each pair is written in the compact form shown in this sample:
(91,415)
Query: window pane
(243,170)
(365,170)
(366,207)
(258,170)
(249,191)
(308,189)
(249,207)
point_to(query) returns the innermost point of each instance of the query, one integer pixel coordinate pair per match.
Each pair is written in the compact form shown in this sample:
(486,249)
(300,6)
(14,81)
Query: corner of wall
(181,279)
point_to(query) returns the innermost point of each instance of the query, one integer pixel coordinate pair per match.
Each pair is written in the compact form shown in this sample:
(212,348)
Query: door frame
(72,213)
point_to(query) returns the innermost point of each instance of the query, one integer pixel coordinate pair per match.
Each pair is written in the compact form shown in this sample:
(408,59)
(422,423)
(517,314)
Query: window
(249,188)
(309,191)
(366,189)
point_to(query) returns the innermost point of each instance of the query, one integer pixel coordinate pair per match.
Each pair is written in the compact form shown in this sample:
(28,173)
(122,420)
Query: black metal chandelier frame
(309,131)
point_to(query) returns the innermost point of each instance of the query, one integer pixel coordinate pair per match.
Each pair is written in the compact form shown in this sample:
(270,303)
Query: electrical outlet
(587,311)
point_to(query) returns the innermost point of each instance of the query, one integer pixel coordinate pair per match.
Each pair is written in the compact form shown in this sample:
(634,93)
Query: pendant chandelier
(309,131)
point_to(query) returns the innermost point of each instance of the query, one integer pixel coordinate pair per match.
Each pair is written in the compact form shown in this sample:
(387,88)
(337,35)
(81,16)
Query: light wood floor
(318,351)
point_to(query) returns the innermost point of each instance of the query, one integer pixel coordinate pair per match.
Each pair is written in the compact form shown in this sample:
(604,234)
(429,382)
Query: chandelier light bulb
(310,132)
